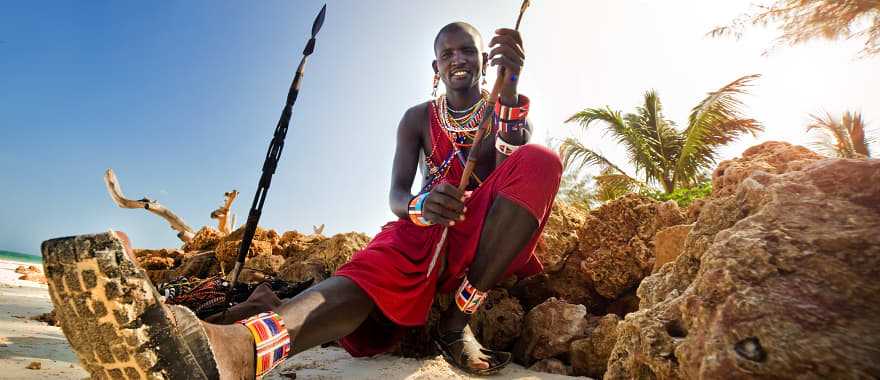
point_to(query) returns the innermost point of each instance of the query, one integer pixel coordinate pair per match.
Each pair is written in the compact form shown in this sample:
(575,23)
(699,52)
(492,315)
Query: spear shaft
(274,154)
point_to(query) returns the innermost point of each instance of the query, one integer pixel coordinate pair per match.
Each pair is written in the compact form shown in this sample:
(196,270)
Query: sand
(24,341)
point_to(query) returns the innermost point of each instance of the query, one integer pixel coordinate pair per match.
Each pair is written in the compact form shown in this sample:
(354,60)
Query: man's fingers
(446,201)
(506,51)
(449,191)
(507,63)
(508,41)
(510,32)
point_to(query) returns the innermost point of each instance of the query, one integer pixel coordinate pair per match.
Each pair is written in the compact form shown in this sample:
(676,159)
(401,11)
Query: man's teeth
(459,73)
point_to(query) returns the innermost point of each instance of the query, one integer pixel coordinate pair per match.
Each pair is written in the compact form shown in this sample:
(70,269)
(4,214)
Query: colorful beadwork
(468,298)
(271,339)
(461,130)
(511,119)
(416,206)
(504,147)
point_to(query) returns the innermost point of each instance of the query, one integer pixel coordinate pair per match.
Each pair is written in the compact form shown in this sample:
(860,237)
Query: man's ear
(434,66)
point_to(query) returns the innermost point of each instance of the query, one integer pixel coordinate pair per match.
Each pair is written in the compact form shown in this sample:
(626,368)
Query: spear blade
(316,27)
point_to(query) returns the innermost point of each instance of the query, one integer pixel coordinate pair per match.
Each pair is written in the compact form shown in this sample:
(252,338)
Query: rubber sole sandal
(499,359)
(111,314)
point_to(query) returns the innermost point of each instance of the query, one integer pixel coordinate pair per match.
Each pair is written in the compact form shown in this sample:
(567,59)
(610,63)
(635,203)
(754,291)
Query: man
(445,240)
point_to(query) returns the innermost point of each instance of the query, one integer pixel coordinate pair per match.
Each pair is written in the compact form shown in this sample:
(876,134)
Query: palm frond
(576,156)
(844,137)
(716,121)
(611,185)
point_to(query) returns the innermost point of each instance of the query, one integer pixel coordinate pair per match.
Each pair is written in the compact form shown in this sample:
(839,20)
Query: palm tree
(661,153)
(844,137)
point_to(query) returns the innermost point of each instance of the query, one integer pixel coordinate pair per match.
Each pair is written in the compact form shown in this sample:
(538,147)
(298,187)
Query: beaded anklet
(416,206)
(468,298)
(271,339)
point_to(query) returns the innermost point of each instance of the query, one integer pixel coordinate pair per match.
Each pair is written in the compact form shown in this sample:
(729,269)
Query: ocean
(21,257)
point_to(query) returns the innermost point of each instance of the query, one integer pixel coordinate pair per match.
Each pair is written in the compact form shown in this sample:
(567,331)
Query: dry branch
(185,233)
(222,213)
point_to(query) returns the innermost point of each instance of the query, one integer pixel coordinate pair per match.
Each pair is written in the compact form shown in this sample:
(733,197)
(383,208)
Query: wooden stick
(185,233)
(222,213)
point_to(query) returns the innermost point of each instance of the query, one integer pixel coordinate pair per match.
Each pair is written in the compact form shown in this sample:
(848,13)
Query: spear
(274,154)
(481,131)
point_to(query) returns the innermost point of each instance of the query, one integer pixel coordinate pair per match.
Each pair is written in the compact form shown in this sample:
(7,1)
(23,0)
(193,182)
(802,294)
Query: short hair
(455,27)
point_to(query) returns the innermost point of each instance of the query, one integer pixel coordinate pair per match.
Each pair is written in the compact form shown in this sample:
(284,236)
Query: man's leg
(507,230)
(325,312)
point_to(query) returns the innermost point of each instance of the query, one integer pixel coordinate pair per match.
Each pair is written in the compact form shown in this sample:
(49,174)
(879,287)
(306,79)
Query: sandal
(112,317)
(497,359)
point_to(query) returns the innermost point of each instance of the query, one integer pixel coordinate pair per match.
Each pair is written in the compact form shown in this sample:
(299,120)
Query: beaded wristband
(511,119)
(504,147)
(415,210)
(468,298)
(271,339)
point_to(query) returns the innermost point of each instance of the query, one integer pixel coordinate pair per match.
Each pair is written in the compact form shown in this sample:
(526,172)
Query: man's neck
(464,98)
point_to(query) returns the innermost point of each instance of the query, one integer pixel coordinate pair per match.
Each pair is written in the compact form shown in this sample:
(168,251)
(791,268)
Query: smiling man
(388,286)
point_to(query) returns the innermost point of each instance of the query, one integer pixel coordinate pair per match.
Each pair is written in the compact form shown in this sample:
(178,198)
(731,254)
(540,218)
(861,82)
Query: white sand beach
(24,341)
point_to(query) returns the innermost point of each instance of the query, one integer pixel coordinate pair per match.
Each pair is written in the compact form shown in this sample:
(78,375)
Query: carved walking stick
(274,154)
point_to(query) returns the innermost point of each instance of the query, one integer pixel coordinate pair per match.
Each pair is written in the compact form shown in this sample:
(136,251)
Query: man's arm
(406,161)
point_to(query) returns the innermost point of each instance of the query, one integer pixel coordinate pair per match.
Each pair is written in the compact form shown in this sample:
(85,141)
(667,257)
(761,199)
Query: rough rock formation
(267,264)
(227,249)
(549,330)
(499,322)
(158,259)
(31,273)
(668,243)
(560,234)
(322,257)
(614,253)
(777,279)
(205,239)
(589,356)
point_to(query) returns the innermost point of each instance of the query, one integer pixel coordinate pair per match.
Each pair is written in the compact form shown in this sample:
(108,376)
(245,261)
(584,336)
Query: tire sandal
(444,342)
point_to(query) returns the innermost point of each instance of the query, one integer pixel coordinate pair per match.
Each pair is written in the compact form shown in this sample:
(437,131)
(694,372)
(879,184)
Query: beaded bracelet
(415,208)
(511,119)
(504,147)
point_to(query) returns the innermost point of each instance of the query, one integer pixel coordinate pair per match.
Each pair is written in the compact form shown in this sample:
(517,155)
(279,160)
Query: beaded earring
(436,83)
(484,78)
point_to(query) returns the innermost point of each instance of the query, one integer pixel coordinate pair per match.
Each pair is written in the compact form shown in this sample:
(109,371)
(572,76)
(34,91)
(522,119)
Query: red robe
(393,268)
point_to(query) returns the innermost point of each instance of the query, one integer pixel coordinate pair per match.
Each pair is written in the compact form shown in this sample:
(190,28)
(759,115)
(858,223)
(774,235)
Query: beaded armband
(468,298)
(504,147)
(271,340)
(511,119)
(415,210)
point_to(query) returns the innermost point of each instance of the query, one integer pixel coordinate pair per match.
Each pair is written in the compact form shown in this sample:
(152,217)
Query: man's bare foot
(463,344)
(111,314)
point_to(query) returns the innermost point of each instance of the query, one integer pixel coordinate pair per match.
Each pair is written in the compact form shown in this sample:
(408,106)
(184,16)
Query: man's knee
(542,162)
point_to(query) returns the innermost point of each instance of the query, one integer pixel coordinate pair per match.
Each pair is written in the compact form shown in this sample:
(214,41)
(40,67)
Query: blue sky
(180,98)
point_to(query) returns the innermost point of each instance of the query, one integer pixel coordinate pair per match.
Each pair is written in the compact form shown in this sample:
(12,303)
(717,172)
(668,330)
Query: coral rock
(560,234)
(267,264)
(668,243)
(322,258)
(205,239)
(499,321)
(778,279)
(771,157)
(549,330)
(263,244)
(589,356)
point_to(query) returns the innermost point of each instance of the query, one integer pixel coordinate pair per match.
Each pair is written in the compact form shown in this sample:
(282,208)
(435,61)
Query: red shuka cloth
(393,268)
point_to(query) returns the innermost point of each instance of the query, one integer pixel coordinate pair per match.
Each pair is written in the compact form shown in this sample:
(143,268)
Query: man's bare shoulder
(416,116)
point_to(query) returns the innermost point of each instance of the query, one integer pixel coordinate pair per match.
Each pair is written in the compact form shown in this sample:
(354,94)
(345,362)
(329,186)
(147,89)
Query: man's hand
(445,205)
(507,52)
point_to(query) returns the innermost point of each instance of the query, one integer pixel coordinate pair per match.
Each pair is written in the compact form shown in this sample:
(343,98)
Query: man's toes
(479,363)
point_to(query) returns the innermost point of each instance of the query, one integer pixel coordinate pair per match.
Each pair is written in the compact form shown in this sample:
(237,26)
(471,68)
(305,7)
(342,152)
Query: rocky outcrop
(668,243)
(560,237)
(554,366)
(205,239)
(322,257)
(549,330)
(777,279)
(590,355)
(31,273)
(499,321)
(614,253)
(264,243)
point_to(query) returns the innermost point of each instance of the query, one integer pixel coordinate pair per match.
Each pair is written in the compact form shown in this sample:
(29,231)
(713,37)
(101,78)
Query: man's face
(459,59)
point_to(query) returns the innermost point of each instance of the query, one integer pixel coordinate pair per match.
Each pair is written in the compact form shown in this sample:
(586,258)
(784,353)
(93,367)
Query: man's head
(460,60)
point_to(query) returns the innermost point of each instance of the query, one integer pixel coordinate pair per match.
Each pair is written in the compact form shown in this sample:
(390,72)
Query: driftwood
(222,213)
(185,233)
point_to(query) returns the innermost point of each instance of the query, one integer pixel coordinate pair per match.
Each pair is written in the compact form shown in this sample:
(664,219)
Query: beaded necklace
(461,130)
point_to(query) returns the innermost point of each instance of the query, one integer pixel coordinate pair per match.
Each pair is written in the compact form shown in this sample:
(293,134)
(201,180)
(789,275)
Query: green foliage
(661,154)
(684,196)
